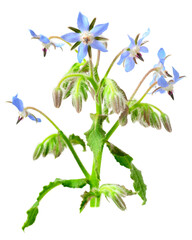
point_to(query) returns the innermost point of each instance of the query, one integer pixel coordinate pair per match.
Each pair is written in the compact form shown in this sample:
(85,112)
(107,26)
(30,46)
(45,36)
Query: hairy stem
(112,63)
(142,80)
(146,92)
(111,131)
(90,79)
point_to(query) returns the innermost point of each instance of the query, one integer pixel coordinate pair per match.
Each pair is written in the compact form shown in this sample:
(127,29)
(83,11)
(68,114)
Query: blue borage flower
(165,86)
(18,103)
(45,41)
(133,52)
(160,67)
(87,35)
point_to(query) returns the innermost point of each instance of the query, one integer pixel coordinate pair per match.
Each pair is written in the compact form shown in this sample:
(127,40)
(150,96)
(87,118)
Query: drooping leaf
(33,211)
(138,183)
(125,160)
(74,139)
(121,157)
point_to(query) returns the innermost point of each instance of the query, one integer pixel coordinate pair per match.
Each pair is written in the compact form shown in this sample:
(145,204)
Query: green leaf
(87,196)
(33,211)
(31,215)
(121,157)
(138,183)
(125,160)
(77,140)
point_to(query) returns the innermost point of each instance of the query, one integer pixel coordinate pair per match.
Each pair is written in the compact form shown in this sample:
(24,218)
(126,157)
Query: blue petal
(34,118)
(18,103)
(98,45)
(176,75)
(32,33)
(160,90)
(44,39)
(129,64)
(143,36)
(161,54)
(71,37)
(162,82)
(82,52)
(132,44)
(99,29)
(82,22)
(59,44)
(144,49)
(123,56)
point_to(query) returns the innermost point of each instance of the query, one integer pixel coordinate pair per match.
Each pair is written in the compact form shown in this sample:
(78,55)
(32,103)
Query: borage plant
(82,79)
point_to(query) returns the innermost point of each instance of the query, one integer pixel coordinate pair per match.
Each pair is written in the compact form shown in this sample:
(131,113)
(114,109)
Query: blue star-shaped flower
(18,103)
(160,67)
(134,51)
(45,41)
(165,86)
(85,36)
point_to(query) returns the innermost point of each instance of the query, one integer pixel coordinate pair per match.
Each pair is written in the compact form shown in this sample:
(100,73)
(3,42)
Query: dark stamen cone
(167,74)
(19,119)
(140,57)
(171,94)
(57,97)
(44,51)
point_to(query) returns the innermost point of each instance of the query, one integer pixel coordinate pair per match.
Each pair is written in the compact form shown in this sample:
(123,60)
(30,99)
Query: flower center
(23,114)
(169,88)
(86,38)
(134,51)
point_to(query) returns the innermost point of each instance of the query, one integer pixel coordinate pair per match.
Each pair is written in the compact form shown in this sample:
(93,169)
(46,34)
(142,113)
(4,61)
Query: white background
(164,158)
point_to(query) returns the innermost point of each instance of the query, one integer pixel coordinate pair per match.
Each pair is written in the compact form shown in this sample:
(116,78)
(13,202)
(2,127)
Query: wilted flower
(86,35)
(45,41)
(134,51)
(22,111)
(168,86)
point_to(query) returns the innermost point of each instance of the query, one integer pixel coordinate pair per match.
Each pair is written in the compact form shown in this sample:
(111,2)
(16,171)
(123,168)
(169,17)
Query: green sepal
(116,192)
(75,45)
(92,24)
(74,29)
(33,211)
(74,139)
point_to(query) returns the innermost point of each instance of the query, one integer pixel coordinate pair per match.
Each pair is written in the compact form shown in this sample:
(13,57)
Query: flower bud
(166,122)
(57,97)
(38,151)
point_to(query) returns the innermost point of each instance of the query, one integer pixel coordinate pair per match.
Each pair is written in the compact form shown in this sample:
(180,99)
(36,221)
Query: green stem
(75,156)
(112,130)
(146,92)
(66,140)
(78,75)
(37,110)
(142,80)
(156,108)
(98,59)
(112,63)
